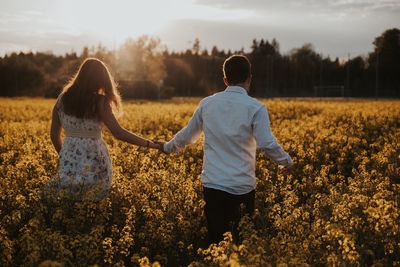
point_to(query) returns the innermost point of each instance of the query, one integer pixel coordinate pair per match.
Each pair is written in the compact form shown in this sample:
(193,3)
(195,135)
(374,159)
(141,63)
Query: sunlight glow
(121,19)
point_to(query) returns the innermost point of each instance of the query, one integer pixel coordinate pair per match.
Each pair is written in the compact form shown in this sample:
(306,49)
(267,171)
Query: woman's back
(83,124)
(84,159)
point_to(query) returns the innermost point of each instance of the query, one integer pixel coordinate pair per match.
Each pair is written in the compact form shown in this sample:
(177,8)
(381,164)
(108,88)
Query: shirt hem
(228,190)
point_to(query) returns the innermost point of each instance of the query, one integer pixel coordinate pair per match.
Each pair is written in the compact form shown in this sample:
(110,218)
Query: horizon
(336,29)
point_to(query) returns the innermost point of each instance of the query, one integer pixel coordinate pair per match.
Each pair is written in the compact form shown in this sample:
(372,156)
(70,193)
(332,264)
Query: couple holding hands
(235,125)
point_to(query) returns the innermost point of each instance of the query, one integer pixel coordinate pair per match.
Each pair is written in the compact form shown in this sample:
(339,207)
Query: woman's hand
(154,145)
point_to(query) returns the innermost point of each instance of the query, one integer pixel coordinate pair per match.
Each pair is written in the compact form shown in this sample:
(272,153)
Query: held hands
(156,145)
(161,146)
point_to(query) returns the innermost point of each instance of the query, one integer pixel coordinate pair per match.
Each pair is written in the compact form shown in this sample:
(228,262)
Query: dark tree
(145,64)
(385,63)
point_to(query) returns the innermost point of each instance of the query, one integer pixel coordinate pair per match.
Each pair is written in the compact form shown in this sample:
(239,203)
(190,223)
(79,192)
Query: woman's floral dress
(84,159)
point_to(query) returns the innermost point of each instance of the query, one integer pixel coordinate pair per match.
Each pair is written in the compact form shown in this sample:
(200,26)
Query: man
(234,125)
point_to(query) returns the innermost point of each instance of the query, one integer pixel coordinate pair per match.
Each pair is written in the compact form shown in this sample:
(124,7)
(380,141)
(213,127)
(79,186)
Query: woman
(89,101)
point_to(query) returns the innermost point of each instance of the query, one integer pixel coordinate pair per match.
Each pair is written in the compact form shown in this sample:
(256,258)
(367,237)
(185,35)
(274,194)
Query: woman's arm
(55,130)
(108,118)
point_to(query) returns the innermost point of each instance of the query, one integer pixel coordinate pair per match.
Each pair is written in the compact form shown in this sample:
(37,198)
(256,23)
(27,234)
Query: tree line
(145,68)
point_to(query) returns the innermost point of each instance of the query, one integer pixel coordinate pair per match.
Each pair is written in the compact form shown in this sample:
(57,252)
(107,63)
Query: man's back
(229,147)
(234,125)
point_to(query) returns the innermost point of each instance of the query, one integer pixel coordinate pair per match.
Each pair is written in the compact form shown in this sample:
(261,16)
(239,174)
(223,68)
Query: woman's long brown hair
(80,97)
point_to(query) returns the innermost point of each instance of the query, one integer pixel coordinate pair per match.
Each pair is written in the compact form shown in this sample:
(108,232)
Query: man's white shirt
(234,126)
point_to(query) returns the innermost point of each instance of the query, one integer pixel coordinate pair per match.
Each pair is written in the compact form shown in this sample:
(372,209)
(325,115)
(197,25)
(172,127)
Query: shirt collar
(236,89)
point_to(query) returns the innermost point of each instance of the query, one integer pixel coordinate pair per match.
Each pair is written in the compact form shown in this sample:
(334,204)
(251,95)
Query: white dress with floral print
(84,159)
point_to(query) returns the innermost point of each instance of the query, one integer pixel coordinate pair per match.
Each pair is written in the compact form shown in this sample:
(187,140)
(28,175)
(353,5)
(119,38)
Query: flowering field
(340,207)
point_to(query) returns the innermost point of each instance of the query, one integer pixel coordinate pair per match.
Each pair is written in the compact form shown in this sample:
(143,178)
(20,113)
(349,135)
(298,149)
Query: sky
(335,28)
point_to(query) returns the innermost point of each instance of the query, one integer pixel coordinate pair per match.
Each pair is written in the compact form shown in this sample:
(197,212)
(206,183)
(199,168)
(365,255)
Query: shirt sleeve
(266,141)
(188,135)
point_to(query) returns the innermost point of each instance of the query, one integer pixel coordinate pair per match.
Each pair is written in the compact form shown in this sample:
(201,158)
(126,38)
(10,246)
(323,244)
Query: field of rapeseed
(340,207)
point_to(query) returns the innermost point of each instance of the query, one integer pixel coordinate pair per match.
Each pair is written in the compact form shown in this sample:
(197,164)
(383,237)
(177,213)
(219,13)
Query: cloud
(369,6)
(333,16)
(31,30)
(56,42)
(328,7)
(29,21)
(304,4)
(237,35)
(335,27)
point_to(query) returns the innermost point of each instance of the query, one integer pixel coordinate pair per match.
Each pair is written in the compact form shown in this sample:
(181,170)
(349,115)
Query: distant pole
(272,71)
(267,80)
(348,74)
(320,73)
(16,81)
(188,89)
(295,74)
(377,74)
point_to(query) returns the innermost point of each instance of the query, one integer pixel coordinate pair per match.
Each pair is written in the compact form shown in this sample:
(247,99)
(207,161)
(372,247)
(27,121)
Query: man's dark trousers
(223,212)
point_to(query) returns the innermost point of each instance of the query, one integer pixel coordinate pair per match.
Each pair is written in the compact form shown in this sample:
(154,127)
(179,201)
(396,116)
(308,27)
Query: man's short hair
(237,69)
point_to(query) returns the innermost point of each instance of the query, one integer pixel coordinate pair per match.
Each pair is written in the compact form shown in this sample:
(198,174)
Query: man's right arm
(188,135)
(266,140)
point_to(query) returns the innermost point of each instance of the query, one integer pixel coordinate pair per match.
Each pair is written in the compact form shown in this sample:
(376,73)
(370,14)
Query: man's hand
(286,170)
(161,146)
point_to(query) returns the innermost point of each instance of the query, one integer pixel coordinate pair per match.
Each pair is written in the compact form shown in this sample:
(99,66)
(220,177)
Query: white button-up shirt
(234,126)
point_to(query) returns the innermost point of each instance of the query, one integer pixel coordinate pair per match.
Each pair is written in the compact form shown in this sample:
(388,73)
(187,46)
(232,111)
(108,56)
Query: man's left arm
(187,135)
